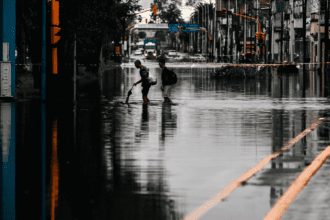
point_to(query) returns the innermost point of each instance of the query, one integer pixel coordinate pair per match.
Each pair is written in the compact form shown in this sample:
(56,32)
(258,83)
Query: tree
(190,2)
(168,13)
(94,22)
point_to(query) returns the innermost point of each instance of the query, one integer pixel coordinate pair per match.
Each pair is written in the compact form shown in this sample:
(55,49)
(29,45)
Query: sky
(186,11)
(146,5)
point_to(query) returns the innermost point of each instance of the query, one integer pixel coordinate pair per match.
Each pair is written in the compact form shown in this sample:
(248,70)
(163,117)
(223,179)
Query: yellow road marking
(298,185)
(247,175)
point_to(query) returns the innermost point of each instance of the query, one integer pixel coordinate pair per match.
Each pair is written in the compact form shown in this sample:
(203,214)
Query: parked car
(172,53)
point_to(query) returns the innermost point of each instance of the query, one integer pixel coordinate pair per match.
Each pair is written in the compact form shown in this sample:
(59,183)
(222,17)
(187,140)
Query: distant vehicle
(138,52)
(161,56)
(167,50)
(112,56)
(172,53)
(199,57)
(181,56)
(150,50)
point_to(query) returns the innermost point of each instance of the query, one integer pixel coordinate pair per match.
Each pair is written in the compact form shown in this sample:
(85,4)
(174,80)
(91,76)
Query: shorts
(167,91)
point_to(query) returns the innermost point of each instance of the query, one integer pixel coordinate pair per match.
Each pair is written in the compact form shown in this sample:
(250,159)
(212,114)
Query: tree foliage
(168,13)
(91,21)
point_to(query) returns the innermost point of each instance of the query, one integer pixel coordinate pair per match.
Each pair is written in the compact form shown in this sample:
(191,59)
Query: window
(297,9)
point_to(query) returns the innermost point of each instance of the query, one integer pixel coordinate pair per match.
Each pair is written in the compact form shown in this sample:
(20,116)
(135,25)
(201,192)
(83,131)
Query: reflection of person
(144,73)
(166,85)
(168,122)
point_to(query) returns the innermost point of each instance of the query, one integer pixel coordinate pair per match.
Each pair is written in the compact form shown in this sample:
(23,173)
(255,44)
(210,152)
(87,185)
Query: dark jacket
(144,73)
(165,77)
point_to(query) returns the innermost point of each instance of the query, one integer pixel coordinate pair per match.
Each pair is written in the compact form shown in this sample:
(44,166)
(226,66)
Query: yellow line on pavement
(247,175)
(298,185)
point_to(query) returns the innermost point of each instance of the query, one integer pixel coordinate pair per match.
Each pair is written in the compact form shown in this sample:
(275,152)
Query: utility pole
(272,33)
(231,34)
(75,68)
(227,35)
(236,33)
(198,33)
(220,39)
(214,34)
(203,24)
(257,5)
(326,35)
(291,23)
(326,46)
(269,35)
(304,48)
(319,39)
(281,52)
(245,30)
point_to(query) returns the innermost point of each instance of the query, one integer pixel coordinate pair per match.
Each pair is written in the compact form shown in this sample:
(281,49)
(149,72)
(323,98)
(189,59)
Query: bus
(150,50)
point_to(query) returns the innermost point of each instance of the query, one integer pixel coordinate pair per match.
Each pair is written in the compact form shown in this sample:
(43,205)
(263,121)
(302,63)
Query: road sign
(280,5)
(174,27)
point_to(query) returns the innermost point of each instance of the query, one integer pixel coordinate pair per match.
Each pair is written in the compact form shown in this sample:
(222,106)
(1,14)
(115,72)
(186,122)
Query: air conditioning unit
(5,74)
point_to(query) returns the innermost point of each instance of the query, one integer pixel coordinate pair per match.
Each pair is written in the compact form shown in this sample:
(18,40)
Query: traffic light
(258,36)
(125,38)
(155,9)
(54,30)
(54,34)
(224,11)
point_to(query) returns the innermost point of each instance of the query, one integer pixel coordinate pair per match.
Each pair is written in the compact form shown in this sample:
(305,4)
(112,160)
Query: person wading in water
(166,84)
(144,73)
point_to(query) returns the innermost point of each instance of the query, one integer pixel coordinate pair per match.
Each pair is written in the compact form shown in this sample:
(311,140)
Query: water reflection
(169,122)
(133,166)
(7,171)
(214,113)
(161,160)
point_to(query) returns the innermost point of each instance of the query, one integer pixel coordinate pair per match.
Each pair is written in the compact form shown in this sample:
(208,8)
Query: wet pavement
(163,161)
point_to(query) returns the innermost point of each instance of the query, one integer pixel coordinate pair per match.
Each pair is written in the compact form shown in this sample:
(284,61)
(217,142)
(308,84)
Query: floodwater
(161,160)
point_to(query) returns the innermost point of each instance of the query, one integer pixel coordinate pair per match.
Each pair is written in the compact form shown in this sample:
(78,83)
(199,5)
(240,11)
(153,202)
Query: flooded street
(161,160)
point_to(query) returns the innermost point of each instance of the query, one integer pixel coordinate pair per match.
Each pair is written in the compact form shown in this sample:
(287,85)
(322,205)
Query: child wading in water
(144,73)
(166,84)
